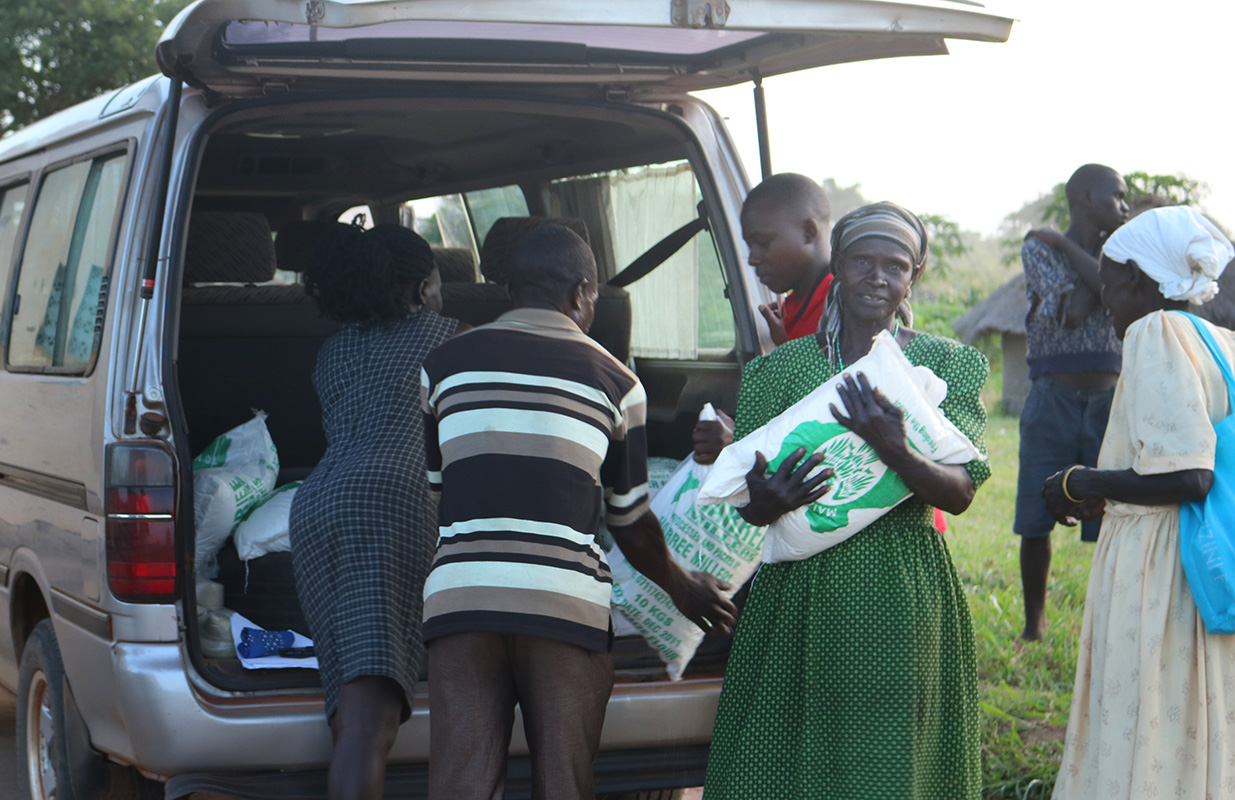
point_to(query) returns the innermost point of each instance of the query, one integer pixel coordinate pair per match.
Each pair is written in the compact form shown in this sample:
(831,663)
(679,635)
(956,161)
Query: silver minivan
(150,246)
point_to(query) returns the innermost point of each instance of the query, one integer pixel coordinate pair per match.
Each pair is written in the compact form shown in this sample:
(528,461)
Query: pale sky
(974,135)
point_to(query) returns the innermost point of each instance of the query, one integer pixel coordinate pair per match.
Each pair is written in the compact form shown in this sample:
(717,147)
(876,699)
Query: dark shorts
(1060,426)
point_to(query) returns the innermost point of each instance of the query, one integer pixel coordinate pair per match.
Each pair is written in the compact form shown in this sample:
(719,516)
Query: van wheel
(42,754)
(49,767)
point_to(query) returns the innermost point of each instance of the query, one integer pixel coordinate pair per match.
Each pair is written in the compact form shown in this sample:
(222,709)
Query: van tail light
(141,524)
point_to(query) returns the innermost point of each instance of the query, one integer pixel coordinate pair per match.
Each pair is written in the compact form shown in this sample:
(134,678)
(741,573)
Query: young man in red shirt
(787,225)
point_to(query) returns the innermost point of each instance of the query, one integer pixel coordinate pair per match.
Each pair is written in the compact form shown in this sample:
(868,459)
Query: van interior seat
(479,303)
(244,347)
(455,264)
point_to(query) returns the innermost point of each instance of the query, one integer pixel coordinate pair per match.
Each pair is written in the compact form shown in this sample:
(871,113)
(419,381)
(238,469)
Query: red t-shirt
(801,322)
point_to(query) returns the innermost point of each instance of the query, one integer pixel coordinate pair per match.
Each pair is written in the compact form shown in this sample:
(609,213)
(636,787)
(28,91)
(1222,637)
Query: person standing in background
(787,227)
(1074,359)
(787,224)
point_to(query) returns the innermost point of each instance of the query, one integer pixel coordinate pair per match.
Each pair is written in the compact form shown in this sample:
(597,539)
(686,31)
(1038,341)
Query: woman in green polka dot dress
(852,673)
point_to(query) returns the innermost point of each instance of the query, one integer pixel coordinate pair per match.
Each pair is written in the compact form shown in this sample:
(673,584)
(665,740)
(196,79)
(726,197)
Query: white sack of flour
(231,476)
(864,489)
(712,539)
(266,528)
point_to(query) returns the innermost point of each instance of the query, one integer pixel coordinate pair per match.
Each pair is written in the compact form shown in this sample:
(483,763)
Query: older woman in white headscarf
(1153,708)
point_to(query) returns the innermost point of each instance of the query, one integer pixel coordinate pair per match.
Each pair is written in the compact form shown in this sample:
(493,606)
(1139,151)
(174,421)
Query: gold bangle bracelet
(1064,484)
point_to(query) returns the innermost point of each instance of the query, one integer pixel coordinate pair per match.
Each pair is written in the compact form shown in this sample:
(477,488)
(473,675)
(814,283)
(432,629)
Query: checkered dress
(362,529)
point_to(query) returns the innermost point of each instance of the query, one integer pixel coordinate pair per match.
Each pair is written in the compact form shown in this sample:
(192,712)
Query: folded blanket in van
(239,624)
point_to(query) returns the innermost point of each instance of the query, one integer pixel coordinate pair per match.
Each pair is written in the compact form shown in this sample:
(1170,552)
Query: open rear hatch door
(242,47)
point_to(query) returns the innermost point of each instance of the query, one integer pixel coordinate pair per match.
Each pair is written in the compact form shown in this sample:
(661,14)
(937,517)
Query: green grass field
(1025,689)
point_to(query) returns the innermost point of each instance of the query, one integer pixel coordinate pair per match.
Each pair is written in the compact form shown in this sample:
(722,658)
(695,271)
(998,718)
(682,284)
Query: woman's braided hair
(368,276)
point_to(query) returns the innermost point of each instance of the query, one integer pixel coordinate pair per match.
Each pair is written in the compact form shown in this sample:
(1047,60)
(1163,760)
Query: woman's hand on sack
(1064,510)
(791,486)
(873,417)
(711,436)
(699,596)
(881,424)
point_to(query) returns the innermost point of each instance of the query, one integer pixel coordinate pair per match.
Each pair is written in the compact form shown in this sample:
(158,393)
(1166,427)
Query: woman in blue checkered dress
(362,529)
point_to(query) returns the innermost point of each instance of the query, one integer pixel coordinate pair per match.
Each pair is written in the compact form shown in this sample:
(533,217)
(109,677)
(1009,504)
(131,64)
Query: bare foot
(1034,633)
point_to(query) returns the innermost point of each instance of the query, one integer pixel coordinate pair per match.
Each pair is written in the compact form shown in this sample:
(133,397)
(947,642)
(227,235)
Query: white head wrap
(1177,247)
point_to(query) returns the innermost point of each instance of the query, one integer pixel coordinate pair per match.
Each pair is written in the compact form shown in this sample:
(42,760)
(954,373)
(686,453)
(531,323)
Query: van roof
(144,95)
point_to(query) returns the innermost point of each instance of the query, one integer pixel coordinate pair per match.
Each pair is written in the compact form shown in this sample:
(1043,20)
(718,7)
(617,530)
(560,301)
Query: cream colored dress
(1153,708)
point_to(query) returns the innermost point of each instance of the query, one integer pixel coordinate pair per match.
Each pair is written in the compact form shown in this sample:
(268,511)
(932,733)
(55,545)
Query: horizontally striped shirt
(533,430)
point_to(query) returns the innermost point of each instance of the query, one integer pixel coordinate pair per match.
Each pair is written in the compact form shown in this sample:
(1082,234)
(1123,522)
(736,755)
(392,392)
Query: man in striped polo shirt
(534,431)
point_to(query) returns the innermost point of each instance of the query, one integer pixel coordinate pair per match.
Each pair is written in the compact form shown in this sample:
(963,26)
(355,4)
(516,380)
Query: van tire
(51,762)
(42,752)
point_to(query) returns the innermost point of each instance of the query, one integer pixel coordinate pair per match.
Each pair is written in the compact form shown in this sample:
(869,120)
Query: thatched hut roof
(1003,312)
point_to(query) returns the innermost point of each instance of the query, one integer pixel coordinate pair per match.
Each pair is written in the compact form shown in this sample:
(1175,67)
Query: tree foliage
(55,53)
(843,198)
(946,242)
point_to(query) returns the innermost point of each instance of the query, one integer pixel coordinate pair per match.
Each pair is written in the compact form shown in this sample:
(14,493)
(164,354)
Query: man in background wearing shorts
(1074,360)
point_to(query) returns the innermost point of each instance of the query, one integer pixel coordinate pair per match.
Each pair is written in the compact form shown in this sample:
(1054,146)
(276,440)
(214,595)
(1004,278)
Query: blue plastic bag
(1207,527)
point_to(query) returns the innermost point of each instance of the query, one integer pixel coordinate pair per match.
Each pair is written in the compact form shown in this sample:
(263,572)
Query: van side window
(679,310)
(12,203)
(57,311)
(462,220)
(442,221)
(489,205)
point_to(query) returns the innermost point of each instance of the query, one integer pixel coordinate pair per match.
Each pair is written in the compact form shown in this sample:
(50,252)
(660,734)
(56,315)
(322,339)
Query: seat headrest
(456,264)
(296,241)
(228,247)
(506,232)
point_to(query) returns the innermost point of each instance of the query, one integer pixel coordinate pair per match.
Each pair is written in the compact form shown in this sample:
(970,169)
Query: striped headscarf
(880,220)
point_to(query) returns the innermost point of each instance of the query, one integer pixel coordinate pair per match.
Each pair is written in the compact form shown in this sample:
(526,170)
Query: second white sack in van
(233,475)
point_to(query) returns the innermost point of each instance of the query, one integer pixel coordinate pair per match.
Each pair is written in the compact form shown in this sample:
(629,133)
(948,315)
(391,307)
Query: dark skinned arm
(1094,486)
(1080,304)
(696,594)
(776,322)
(1084,299)
(882,425)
